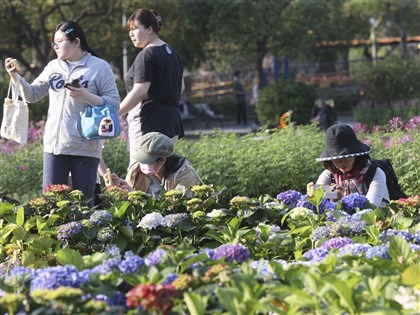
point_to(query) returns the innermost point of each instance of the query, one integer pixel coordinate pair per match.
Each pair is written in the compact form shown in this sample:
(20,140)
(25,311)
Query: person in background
(346,161)
(240,94)
(73,81)
(154,82)
(323,114)
(157,168)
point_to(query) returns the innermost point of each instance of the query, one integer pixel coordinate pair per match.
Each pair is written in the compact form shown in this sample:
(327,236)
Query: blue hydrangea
(237,253)
(22,271)
(208,251)
(347,226)
(320,232)
(316,254)
(170,278)
(378,251)
(262,267)
(304,203)
(336,242)
(53,277)
(100,217)
(415,247)
(289,197)
(131,263)
(107,266)
(154,257)
(326,204)
(117,299)
(386,235)
(68,230)
(172,220)
(417,237)
(354,249)
(353,201)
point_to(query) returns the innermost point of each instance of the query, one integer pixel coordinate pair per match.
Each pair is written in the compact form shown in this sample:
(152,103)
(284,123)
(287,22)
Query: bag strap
(10,89)
(370,173)
(18,90)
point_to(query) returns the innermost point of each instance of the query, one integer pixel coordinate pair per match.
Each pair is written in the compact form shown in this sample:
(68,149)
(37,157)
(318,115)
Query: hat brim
(358,149)
(145,158)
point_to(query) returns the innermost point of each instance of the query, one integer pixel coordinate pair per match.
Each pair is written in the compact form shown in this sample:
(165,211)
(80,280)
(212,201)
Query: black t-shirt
(162,67)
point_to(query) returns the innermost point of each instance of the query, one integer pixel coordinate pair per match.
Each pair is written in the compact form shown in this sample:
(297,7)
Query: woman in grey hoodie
(73,81)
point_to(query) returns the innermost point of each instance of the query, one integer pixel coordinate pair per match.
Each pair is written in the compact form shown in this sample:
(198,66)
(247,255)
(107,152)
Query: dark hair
(147,18)
(172,164)
(236,73)
(73,30)
(359,163)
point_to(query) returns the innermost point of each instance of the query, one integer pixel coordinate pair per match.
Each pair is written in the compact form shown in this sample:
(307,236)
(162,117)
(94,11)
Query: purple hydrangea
(131,263)
(303,202)
(22,271)
(68,230)
(316,254)
(289,197)
(117,299)
(353,201)
(331,215)
(236,253)
(320,232)
(262,267)
(154,257)
(208,251)
(53,277)
(336,242)
(415,247)
(378,251)
(326,204)
(172,220)
(354,249)
(107,266)
(100,217)
(386,235)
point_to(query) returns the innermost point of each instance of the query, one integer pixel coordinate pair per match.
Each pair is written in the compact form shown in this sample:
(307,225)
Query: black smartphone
(74,83)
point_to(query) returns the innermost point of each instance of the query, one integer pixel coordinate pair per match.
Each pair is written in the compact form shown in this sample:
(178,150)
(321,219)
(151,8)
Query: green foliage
(278,98)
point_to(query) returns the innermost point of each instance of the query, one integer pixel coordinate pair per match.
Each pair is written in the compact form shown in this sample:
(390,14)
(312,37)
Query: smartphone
(74,83)
(330,192)
(16,64)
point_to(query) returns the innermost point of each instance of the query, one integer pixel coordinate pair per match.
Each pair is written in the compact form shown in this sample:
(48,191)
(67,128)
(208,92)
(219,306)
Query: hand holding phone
(330,192)
(73,83)
(17,66)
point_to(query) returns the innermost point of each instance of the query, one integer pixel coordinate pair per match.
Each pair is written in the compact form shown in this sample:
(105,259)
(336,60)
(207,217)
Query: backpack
(394,189)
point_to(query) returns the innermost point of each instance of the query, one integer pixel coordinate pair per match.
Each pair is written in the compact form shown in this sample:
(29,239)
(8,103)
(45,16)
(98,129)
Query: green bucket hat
(153,146)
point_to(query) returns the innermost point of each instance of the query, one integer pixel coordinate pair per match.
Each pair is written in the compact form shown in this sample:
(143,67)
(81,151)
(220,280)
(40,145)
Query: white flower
(216,213)
(409,298)
(150,220)
(298,212)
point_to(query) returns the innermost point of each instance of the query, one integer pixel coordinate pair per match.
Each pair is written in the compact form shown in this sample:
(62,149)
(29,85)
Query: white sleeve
(324,178)
(378,192)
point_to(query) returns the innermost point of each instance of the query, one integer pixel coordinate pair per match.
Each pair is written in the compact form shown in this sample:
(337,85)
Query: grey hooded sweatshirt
(64,112)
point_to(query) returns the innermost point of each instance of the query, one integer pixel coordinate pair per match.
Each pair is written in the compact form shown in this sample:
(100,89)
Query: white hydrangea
(301,212)
(113,250)
(216,213)
(409,298)
(150,221)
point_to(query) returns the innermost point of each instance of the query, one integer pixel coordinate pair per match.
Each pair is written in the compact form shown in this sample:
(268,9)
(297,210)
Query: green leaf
(186,225)
(28,258)
(122,209)
(20,217)
(411,276)
(399,250)
(126,231)
(196,303)
(5,208)
(68,256)
(344,292)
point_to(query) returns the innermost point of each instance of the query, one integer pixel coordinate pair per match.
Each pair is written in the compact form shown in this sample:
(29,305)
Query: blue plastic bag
(100,122)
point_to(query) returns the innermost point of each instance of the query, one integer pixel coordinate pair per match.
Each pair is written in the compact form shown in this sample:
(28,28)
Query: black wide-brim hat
(341,142)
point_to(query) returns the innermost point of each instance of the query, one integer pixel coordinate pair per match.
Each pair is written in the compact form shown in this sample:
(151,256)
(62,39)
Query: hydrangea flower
(316,254)
(330,215)
(237,253)
(172,220)
(107,266)
(216,213)
(113,250)
(326,204)
(131,263)
(336,242)
(320,232)
(100,217)
(150,221)
(289,197)
(354,249)
(301,213)
(53,277)
(386,235)
(68,230)
(303,202)
(105,234)
(378,251)
(170,278)
(358,215)
(154,257)
(353,201)
(262,267)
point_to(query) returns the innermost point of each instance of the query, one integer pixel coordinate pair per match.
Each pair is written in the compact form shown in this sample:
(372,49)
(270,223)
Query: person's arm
(134,97)
(378,191)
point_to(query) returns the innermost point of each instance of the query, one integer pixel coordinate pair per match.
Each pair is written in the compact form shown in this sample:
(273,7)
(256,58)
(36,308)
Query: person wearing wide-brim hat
(158,168)
(346,160)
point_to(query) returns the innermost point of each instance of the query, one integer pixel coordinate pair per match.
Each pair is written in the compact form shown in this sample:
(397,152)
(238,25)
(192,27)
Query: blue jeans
(83,171)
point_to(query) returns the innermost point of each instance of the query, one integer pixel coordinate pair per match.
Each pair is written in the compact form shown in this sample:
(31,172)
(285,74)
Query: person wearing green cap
(157,167)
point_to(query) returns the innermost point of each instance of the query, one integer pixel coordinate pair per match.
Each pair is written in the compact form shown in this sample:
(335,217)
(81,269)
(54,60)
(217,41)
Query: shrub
(278,98)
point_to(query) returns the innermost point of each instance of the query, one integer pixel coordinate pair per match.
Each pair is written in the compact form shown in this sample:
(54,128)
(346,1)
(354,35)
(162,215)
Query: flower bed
(208,254)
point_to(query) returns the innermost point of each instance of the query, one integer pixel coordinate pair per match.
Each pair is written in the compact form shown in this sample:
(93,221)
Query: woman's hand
(12,67)
(341,191)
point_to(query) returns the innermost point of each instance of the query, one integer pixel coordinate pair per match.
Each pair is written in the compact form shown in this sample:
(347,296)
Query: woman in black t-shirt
(154,82)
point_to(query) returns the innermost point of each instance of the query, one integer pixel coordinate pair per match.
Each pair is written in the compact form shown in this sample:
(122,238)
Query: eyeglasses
(57,42)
